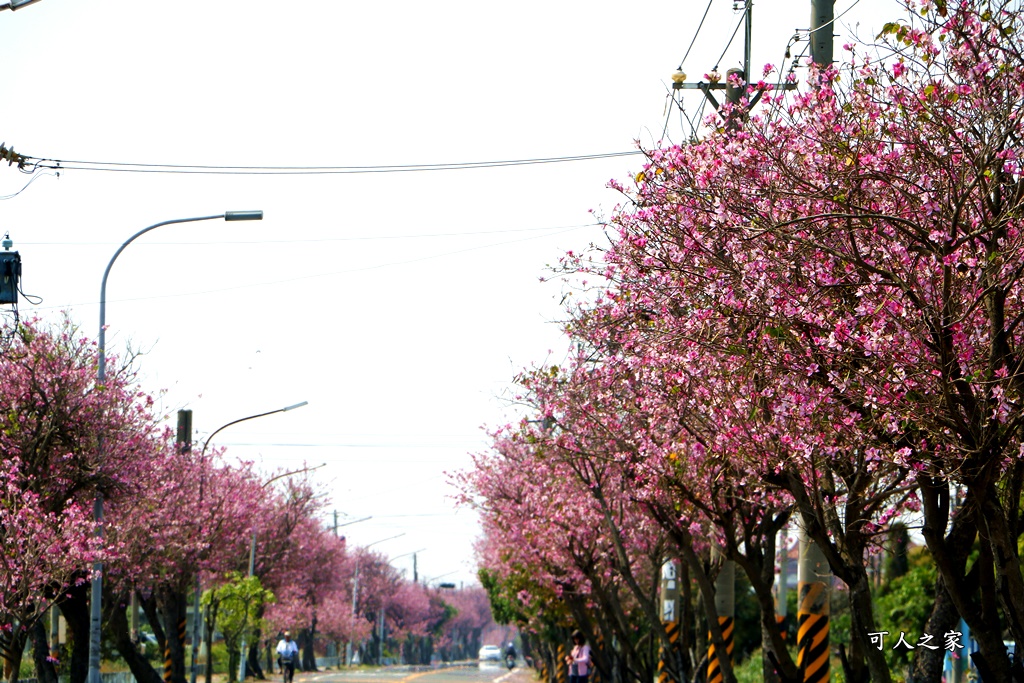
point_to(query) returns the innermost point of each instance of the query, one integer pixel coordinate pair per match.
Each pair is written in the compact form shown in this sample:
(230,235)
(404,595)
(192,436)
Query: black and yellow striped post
(561,668)
(168,663)
(182,630)
(725,605)
(168,659)
(666,671)
(813,581)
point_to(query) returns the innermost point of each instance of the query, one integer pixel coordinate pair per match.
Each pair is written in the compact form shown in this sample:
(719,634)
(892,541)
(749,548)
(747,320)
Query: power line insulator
(10,156)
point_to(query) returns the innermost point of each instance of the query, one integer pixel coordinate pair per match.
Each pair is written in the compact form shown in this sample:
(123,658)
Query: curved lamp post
(95,615)
(253,417)
(202,457)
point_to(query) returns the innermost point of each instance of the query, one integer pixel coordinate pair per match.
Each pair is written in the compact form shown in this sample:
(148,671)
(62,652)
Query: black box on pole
(10,273)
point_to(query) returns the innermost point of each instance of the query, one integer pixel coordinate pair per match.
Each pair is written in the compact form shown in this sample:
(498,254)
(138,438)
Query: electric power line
(36,176)
(125,167)
(314,275)
(743,17)
(365,238)
(834,19)
(695,34)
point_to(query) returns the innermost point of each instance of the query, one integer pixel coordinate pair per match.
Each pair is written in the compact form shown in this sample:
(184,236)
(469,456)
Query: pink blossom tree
(322,577)
(53,414)
(559,523)
(861,241)
(820,308)
(189,514)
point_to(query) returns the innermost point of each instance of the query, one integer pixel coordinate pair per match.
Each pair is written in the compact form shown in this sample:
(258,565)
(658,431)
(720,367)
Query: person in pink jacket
(579,659)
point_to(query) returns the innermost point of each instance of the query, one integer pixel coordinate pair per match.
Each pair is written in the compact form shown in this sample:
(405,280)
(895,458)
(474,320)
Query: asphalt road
(477,673)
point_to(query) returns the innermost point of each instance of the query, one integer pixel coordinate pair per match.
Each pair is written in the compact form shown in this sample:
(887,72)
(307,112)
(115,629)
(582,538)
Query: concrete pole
(355,600)
(183,442)
(244,655)
(748,34)
(782,583)
(822,20)
(54,632)
(725,605)
(667,668)
(813,582)
(134,614)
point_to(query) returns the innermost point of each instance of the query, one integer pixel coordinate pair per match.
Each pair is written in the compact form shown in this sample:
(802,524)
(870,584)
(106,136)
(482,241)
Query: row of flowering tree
(173,517)
(815,312)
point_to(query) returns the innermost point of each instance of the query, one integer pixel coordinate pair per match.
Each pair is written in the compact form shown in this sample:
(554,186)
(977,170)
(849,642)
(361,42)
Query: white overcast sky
(400,305)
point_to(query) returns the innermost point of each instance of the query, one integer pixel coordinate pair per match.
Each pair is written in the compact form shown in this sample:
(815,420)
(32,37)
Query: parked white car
(490,653)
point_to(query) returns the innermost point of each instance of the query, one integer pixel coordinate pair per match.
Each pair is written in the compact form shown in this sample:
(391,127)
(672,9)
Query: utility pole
(55,632)
(184,445)
(814,579)
(821,38)
(668,663)
(822,19)
(732,93)
(748,39)
(782,586)
(415,574)
(355,602)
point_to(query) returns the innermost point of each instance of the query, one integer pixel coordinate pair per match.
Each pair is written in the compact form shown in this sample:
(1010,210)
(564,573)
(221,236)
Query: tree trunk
(761,575)
(707,593)
(308,655)
(927,664)
(211,622)
(45,672)
(862,622)
(950,552)
(171,604)
(13,651)
(253,662)
(75,610)
(232,663)
(120,631)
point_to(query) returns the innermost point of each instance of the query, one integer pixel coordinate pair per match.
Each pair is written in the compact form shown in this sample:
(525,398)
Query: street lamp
(440,576)
(252,417)
(17,4)
(95,615)
(202,458)
(415,575)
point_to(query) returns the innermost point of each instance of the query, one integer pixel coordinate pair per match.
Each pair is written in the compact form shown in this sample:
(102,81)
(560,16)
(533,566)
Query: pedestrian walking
(579,659)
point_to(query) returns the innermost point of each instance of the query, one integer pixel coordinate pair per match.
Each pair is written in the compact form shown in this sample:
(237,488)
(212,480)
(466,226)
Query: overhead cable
(695,34)
(123,167)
